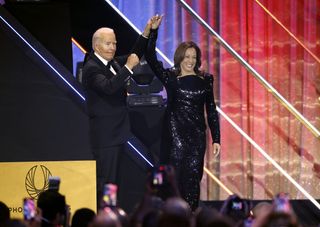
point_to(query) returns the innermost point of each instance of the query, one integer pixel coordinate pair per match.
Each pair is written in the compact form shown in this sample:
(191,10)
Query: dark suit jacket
(106,98)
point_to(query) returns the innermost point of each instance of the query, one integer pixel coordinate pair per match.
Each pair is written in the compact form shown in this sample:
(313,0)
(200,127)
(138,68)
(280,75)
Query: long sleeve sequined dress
(184,132)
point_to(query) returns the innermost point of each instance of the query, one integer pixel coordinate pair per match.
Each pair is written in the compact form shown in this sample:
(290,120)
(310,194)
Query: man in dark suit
(104,79)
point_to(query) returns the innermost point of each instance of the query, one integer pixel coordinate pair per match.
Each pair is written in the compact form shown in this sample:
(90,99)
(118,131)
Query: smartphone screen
(110,195)
(158,176)
(54,183)
(29,209)
(282,203)
(236,205)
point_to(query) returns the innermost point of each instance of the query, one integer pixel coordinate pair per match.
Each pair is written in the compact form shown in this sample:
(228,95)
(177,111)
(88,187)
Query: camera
(29,209)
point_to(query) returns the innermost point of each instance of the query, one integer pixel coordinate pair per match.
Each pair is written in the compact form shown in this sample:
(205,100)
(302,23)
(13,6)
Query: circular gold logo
(35,186)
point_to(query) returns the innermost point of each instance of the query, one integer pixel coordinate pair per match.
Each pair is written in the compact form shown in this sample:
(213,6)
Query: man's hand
(132,61)
(36,221)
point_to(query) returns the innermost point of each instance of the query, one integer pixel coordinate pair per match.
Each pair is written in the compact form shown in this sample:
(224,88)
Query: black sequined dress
(184,135)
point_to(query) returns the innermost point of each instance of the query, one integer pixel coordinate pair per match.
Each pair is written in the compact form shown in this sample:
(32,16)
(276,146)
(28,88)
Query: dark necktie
(110,63)
(110,66)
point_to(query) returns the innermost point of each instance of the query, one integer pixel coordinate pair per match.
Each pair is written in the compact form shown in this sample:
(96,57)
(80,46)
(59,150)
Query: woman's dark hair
(180,53)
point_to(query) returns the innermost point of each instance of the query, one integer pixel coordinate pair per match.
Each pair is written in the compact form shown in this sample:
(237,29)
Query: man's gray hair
(98,35)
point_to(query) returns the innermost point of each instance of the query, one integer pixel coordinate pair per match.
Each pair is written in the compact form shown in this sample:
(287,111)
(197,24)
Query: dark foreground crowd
(156,209)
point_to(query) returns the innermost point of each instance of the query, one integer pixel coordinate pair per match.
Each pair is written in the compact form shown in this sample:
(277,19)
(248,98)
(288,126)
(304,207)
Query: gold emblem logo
(37,181)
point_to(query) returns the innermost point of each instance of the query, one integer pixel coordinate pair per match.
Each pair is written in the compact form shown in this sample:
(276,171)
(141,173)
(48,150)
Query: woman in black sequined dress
(190,93)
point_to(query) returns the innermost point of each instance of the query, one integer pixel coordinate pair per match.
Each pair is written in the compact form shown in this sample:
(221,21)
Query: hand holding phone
(29,209)
(158,176)
(110,195)
(237,205)
(281,203)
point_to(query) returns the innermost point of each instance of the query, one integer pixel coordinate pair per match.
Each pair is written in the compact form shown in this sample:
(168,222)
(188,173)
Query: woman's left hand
(156,21)
(216,149)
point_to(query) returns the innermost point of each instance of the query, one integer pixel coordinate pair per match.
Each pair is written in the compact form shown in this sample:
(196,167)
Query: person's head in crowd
(176,212)
(16,223)
(210,217)
(235,208)
(53,208)
(280,214)
(104,43)
(4,214)
(275,219)
(151,219)
(106,218)
(220,221)
(83,218)
(261,208)
(147,210)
